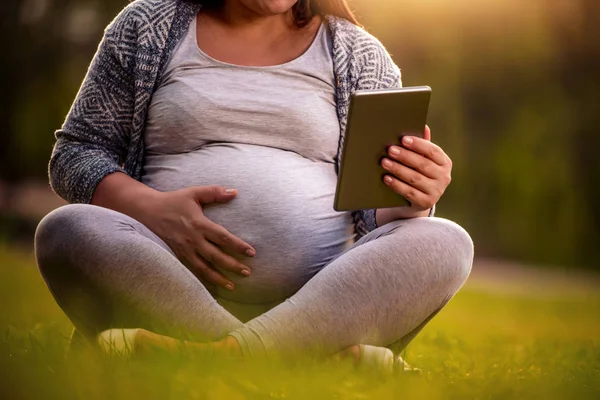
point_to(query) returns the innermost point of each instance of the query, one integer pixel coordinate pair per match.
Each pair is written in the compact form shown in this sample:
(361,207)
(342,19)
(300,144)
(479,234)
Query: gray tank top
(270,132)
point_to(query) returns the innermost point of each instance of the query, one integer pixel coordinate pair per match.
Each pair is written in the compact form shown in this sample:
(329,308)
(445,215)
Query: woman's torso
(273,134)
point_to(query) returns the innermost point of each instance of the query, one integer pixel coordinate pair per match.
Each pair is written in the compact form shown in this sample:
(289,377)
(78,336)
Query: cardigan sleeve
(378,72)
(92,142)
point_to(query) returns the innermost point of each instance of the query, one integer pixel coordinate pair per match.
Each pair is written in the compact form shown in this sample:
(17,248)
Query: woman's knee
(59,222)
(57,231)
(63,243)
(456,245)
(443,241)
(462,240)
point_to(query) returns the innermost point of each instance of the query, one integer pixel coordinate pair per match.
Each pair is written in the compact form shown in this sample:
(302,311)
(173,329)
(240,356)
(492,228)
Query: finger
(416,161)
(218,259)
(212,194)
(410,176)
(417,199)
(426,149)
(427,133)
(203,270)
(226,240)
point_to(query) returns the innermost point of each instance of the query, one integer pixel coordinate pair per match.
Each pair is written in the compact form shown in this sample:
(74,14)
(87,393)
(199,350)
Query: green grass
(481,346)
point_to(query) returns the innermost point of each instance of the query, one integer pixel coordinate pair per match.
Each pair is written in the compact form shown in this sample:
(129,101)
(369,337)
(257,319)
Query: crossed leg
(107,270)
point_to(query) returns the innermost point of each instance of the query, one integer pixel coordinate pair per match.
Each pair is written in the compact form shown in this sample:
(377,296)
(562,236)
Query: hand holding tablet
(377,124)
(420,172)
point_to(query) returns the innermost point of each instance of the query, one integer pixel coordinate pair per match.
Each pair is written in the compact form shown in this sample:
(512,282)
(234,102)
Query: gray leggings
(107,270)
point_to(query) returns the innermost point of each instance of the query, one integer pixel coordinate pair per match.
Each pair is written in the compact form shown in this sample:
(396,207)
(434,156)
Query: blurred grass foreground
(528,338)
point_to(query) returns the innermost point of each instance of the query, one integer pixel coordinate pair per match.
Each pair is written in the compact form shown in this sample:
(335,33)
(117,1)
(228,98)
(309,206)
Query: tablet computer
(377,119)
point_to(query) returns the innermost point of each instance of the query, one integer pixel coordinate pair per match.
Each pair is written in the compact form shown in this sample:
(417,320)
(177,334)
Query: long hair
(304,10)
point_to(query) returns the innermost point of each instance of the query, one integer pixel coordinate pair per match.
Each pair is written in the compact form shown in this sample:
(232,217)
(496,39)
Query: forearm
(122,193)
(386,215)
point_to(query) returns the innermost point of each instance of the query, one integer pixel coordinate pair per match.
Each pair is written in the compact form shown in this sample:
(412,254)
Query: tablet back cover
(376,120)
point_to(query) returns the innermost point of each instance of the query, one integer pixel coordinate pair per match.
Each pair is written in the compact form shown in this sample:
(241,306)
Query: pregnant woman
(185,99)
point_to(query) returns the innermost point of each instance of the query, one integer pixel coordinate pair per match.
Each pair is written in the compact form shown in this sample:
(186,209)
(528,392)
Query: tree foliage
(515,104)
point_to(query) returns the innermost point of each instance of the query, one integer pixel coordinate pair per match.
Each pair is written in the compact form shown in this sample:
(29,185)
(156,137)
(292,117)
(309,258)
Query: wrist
(122,193)
(409,212)
(144,202)
(386,215)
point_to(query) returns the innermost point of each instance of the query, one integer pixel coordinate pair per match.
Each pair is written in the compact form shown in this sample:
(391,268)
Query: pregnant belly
(284,209)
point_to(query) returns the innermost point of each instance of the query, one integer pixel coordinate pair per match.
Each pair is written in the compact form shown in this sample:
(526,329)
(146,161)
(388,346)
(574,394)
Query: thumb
(427,134)
(212,194)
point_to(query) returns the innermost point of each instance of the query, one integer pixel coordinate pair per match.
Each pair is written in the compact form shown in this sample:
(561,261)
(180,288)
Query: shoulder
(354,39)
(355,44)
(143,29)
(142,16)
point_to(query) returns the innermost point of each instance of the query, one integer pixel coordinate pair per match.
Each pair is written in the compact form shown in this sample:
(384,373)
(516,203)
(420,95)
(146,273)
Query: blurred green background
(515,104)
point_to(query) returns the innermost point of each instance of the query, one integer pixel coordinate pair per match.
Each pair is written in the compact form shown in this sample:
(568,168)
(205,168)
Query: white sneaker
(118,342)
(380,359)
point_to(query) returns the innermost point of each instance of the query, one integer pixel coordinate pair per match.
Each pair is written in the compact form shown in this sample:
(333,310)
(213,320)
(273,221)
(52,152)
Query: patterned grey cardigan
(103,132)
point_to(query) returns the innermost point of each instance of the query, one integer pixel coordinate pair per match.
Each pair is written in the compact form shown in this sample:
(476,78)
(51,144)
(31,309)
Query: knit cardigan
(104,129)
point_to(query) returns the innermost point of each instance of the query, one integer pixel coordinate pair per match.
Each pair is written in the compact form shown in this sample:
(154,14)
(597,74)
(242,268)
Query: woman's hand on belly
(178,219)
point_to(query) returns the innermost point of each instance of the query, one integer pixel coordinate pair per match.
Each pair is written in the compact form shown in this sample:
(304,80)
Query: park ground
(511,333)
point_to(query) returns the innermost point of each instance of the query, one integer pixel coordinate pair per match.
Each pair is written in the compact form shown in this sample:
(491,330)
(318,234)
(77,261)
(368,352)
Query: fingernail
(387,163)
(231,191)
(394,151)
(250,253)
(246,272)
(407,140)
(387,179)
(229,286)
